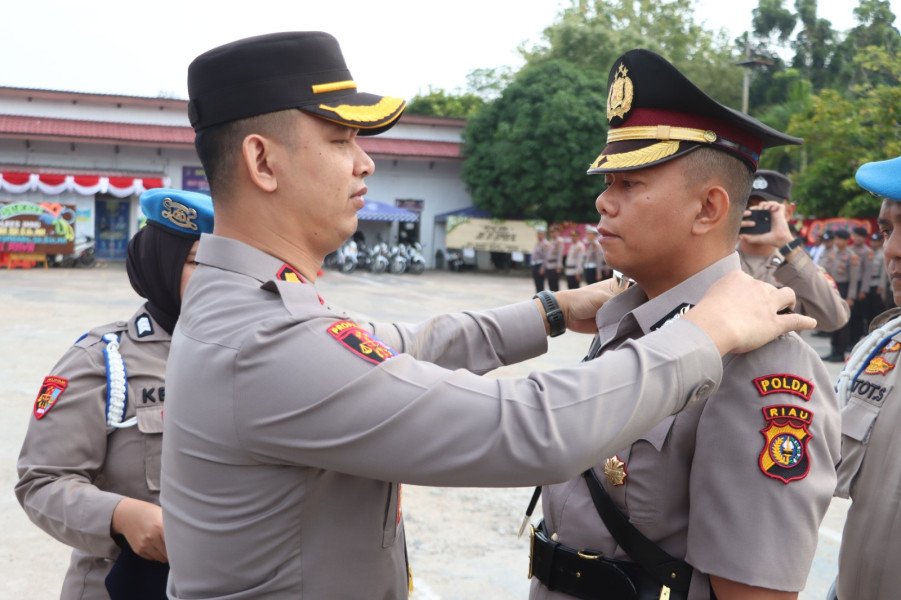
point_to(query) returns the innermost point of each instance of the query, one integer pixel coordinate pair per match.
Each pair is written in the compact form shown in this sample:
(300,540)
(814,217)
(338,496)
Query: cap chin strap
(116,389)
(861,357)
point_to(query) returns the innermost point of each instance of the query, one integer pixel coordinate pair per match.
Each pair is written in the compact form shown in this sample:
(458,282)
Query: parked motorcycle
(83,255)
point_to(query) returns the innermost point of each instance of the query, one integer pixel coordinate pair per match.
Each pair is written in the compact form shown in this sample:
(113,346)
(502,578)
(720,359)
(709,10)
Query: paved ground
(462,541)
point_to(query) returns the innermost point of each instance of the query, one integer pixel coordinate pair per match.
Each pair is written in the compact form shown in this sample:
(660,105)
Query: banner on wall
(492,235)
(37,228)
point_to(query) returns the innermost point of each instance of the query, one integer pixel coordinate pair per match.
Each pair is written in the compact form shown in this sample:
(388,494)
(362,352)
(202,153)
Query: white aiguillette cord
(861,357)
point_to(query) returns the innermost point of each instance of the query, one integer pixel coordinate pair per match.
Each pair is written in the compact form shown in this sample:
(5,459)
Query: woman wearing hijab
(89,469)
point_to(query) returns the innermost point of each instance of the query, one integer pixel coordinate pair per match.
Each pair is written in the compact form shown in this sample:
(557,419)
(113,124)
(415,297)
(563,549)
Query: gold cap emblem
(615,470)
(619,99)
(179,214)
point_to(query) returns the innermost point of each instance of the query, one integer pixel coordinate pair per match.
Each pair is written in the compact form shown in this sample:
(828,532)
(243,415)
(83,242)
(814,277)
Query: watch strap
(786,249)
(555,318)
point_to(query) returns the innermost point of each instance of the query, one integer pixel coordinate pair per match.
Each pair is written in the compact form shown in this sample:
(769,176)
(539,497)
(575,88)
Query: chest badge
(615,470)
(784,455)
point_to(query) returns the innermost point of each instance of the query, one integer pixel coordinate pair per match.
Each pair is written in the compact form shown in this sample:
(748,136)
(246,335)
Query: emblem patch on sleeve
(360,342)
(52,388)
(784,384)
(784,456)
(879,366)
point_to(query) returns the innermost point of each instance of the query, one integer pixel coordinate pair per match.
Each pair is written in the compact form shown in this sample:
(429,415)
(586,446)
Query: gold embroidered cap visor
(280,71)
(656,114)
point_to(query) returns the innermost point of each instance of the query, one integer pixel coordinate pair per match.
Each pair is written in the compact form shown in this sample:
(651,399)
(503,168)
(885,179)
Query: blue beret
(883,178)
(178,211)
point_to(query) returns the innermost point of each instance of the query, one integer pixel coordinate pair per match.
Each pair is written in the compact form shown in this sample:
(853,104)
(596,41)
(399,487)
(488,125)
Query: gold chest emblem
(619,98)
(179,214)
(615,470)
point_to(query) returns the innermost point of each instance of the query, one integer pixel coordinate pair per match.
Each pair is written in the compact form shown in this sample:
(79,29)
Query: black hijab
(156,257)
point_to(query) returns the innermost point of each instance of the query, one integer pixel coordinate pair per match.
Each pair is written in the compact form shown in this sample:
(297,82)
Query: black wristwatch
(554,315)
(786,249)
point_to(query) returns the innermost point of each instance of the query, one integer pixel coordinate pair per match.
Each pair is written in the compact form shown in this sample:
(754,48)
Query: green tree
(528,150)
(438,102)
(842,131)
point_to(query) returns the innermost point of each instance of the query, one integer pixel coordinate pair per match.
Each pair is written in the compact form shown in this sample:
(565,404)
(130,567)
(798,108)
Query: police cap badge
(656,114)
(280,71)
(178,211)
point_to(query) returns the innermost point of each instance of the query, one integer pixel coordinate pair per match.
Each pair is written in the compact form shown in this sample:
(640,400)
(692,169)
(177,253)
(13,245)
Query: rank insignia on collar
(879,366)
(672,315)
(360,342)
(144,325)
(289,273)
(784,455)
(615,470)
(784,384)
(52,388)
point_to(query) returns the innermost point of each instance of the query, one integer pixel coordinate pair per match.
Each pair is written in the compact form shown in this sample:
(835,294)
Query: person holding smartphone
(770,251)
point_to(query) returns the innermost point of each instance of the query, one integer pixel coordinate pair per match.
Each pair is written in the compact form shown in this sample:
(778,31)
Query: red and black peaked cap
(656,114)
(280,71)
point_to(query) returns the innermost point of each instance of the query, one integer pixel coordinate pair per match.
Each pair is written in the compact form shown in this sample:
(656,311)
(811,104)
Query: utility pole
(747,64)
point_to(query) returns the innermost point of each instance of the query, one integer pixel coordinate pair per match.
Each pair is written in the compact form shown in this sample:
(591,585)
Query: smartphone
(761,220)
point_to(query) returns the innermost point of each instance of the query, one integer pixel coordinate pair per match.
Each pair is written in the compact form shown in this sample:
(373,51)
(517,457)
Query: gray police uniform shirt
(539,252)
(288,425)
(714,484)
(553,257)
(72,474)
(870,474)
(816,296)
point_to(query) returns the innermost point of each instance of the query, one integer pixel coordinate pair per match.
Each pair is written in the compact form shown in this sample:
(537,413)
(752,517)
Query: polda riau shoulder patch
(784,455)
(51,390)
(784,384)
(360,342)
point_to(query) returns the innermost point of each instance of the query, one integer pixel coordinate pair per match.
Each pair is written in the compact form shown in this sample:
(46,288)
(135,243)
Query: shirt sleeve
(763,471)
(63,456)
(397,418)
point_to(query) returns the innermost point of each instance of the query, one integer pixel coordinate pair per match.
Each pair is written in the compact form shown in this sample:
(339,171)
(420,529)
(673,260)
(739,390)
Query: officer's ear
(713,209)
(789,210)
(257,155)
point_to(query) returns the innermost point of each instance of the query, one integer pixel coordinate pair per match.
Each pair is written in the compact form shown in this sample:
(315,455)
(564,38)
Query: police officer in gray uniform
(870,471)
(727,495)
(289,426)
(89,469)
(778,256)
(536,259)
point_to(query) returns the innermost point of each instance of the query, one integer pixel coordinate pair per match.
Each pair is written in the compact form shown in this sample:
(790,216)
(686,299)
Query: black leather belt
(587,574)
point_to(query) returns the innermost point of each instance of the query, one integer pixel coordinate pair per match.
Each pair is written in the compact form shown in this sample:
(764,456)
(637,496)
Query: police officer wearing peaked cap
(870,470)
(778,256)
(289,425)
(691,506)
(89,468)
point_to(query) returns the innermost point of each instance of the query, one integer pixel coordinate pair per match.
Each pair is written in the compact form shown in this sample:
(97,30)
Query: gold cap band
(661,132)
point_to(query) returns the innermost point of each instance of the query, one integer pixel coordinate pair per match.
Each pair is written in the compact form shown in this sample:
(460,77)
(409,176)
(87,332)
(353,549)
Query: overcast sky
(393,47)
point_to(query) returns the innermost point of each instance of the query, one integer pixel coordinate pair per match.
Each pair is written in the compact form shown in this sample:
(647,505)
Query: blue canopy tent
(466,211)
(376,211)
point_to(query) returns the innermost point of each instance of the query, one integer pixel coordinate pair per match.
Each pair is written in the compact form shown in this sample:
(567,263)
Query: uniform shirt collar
(631,312)
(231,255)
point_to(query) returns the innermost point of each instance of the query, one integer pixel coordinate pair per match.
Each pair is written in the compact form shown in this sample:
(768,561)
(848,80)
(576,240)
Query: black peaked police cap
(656,114)
(280,71)
(771,185)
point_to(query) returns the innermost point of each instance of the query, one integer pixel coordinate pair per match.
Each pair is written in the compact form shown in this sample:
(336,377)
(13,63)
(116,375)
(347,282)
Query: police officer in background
(575,258)
(692,505)
(840,263)
(778,255)
(289,426)
(537,258)
(869,385)
(862,255)
(877,281)
(594,266)
(89,469)
(553,260)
